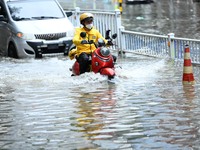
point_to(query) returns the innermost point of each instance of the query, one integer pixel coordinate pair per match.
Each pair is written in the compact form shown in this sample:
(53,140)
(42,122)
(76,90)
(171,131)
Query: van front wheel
(12,52)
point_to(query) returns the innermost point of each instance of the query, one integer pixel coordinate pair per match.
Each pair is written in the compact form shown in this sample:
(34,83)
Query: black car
(138,1)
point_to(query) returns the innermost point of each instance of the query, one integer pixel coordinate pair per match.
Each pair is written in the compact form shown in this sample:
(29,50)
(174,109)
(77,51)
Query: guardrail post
(171,45)
(77,13)
(121,44)
(118,25)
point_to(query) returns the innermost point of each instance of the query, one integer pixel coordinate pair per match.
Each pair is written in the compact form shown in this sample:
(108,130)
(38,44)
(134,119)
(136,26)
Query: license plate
(53,46)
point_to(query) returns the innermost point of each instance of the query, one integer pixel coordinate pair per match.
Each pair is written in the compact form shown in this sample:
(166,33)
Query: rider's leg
(83,62)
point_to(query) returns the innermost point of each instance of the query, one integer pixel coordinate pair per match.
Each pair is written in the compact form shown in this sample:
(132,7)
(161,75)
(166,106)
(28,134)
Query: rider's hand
(91,42)
(72,53)
(109,43)
(84,42)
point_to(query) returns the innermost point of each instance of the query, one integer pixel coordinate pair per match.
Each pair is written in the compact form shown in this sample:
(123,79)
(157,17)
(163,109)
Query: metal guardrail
(178,45)
(141,43)
(160,46)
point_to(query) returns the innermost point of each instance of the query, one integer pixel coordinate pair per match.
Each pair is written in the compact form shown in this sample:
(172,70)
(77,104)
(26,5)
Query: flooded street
(145,107)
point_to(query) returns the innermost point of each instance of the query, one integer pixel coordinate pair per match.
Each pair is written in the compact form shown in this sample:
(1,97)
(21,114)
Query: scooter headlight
(104,51)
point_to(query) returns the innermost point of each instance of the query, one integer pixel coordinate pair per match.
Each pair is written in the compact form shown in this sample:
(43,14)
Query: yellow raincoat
(93,34)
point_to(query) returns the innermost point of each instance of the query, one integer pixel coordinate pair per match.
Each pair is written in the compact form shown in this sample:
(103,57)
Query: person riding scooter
(84,44)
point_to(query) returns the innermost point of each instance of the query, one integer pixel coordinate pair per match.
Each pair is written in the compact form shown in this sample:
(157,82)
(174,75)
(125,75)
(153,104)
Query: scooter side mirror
(83,34)
(107,34)
(114,36)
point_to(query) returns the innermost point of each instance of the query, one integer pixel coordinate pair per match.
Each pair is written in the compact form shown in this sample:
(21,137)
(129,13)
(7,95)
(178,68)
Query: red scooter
(101,59)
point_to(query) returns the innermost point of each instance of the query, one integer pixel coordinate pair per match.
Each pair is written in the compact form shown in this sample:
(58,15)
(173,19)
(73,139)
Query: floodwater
(181,17)
(144,107)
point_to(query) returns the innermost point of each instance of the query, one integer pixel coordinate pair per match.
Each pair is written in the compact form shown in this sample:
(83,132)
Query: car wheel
(12,52)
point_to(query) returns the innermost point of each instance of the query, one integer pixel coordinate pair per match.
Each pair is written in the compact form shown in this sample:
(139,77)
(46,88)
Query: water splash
(141,73)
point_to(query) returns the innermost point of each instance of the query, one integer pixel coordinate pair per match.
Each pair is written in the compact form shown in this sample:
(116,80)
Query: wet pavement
(145,107)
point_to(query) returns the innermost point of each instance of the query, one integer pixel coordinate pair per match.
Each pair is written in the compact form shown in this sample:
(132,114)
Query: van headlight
(25,36)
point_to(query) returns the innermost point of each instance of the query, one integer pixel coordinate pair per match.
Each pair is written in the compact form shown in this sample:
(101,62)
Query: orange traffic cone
(188,77)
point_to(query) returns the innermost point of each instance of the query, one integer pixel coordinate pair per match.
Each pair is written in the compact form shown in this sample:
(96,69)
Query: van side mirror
(68,13)
(2,18)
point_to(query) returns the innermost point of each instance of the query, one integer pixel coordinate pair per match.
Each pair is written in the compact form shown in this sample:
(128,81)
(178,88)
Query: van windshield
(34,9)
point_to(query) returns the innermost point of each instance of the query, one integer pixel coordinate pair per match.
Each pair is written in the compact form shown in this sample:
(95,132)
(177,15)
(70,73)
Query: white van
(33,28)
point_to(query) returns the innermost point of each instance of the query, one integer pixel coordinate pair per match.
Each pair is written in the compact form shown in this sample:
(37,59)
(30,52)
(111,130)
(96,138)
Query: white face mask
(89,26)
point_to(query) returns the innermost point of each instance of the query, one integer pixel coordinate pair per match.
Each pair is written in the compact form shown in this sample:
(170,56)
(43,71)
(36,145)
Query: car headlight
(25,36)
(19,34)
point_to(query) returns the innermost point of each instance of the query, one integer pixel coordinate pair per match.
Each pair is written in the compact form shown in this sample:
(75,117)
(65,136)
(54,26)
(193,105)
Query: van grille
(50,36)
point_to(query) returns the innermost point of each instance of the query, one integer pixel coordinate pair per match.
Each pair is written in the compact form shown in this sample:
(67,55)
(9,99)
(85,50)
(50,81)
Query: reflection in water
(179,125)
(189,92)
(93,110)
